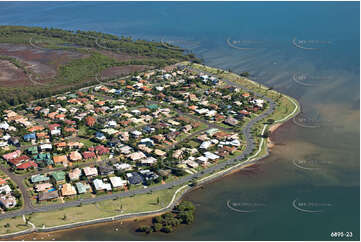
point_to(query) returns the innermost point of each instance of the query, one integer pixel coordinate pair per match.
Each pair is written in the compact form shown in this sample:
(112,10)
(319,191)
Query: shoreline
(25,236)
(212,177)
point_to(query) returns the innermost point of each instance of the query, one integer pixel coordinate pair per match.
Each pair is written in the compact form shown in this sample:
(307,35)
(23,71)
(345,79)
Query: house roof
(74,174)
(60,158)
(75,156)
(58,175)
(88,154)
(43,186)
(90,171)
(117,181)
(48,195)
(68,190)
(136,156)
(81,187)
(39,178)
(159,152)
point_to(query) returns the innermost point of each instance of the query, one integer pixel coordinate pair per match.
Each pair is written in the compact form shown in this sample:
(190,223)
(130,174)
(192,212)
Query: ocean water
(326,81)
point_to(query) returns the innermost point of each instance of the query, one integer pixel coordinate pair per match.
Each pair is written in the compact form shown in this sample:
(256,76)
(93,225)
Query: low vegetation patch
(168,222)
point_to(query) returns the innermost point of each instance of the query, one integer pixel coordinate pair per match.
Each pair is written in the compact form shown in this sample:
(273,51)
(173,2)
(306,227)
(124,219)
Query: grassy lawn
(185,135)
(285,108)
(87,142)
(15,224)
(138,203)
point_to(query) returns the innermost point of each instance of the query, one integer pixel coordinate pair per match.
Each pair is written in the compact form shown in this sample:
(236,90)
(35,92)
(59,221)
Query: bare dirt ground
(42,62)
(11,75)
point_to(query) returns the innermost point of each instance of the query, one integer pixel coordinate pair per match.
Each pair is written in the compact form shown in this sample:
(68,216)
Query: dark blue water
(269,28)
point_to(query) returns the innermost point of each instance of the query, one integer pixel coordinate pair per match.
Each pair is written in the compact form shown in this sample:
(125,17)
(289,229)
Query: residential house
(7,201)
(211,156)
(126,150)
(60,159)
(90,171)
(75,156)
(99,185)
(122,166)
(106,170)
(100,136)
(137,156)
(49,195)
(231,121)
(160,153)
(134,178)
(68,190)
(39,178)
(27,165)
(44,158)
(46,147)
(19,160)
(149,161)
(5,189)
(81,187)
(75,174)
(43,186)
(29,137)
(205,144)
(117,182)
(101,150)
(88,155)
(148,175)
(58,177)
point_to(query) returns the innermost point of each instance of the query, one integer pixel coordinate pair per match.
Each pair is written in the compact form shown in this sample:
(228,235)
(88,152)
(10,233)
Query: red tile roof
(27,165)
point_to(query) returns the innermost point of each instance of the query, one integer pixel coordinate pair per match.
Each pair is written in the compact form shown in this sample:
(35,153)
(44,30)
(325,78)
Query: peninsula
(121,128)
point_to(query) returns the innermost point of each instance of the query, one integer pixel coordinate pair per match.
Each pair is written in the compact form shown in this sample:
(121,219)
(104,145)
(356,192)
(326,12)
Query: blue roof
(30,136)
(99,134)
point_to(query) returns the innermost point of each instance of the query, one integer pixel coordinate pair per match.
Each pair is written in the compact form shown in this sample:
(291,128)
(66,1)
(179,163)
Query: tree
(167,229)
(270,121)
(158,201)
(244,74)
(144,228)
(157,227)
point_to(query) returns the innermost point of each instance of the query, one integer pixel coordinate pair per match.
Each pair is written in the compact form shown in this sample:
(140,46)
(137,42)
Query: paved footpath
(28,209)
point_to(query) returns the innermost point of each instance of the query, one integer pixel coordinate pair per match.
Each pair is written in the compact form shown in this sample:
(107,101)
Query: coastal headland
(252,113)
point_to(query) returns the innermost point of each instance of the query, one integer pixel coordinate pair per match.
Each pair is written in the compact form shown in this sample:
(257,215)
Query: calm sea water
(331,104)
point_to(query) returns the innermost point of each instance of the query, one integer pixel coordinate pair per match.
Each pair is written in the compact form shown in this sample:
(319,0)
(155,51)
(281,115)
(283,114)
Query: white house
(55,132)
(205,145)
(122,166)
(100,185)
(148,161)
(46,147)
(4,125)
(117,182)
(211,156)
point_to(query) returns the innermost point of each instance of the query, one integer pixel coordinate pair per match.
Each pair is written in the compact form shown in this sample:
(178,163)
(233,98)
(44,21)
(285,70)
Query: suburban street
(250,146)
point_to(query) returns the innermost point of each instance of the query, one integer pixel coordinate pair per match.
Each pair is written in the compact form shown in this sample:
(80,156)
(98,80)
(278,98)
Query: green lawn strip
(11,225)
(138,203)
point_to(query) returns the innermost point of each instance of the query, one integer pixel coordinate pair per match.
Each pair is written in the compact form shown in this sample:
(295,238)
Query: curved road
(181,181)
